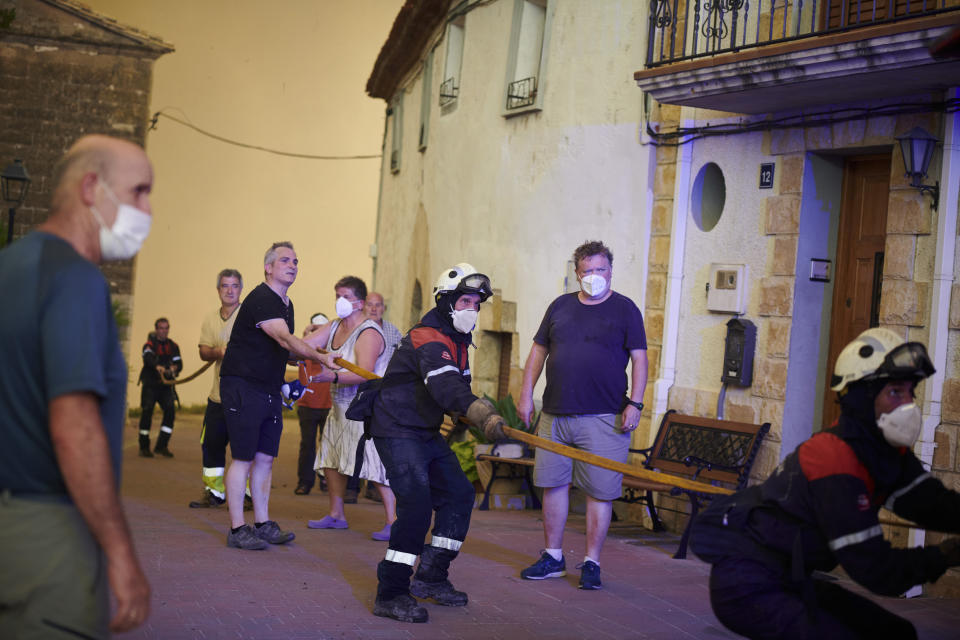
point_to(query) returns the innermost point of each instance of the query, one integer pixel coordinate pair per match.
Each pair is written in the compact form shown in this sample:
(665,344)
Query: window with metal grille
(526,58)
(427,81)
(453,61)
(396,124)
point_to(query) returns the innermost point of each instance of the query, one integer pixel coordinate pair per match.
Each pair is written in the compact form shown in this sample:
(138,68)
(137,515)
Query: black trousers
(430,486)
(151,395)
(213,441)
(754,600)
(312,422)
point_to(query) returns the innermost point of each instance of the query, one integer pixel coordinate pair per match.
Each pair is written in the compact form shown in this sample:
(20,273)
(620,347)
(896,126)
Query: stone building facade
(511,138)
(66,71)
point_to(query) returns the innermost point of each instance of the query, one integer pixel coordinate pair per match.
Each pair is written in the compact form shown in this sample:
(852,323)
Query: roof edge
(414,25)
(141,39)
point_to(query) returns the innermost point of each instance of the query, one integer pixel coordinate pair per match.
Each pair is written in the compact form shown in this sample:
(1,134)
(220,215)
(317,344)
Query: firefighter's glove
(481,413)
(951,549)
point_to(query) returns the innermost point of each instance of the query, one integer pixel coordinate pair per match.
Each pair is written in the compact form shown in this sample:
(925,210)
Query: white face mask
(129,230)
(464,320)
(901,427)
(344,307)
(593,285)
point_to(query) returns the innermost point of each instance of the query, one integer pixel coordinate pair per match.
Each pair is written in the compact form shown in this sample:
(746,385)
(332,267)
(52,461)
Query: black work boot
(431,580)
(161,447)
(403,608)
(393,599)
(145,447)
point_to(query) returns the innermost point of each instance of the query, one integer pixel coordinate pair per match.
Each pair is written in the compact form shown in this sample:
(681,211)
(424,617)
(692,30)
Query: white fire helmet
(463,278)
(880,354)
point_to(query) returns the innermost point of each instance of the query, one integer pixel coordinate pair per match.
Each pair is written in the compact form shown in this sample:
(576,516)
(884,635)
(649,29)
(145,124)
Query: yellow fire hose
(577,454)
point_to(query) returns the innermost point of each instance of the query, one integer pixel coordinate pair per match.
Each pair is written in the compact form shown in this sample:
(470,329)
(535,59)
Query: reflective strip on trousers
(446,543)
(888,505)
(144,432)
(400,557)
(212,472)
(855,538)
(166,429)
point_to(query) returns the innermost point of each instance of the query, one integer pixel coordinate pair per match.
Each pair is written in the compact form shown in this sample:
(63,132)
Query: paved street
(322,585)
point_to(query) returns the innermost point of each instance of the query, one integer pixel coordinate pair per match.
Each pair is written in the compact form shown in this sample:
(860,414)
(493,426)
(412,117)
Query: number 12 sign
(766,175)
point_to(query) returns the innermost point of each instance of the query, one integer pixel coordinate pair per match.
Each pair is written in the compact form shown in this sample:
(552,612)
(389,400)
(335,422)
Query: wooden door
(847,13)
(859,259)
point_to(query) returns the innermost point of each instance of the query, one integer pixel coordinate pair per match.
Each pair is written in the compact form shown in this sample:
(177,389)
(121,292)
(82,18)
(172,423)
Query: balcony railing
(448,91)
(688,29)
(522,93)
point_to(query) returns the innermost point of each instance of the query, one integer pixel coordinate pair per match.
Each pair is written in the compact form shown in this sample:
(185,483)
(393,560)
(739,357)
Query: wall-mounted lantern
(917,147)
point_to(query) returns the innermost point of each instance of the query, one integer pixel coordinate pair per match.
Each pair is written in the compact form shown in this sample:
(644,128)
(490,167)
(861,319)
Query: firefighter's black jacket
(428,375)
(164,353)
(820,508)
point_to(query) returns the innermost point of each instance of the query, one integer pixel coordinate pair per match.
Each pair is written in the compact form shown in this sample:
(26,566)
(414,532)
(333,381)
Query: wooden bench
(720,452)
(510,465)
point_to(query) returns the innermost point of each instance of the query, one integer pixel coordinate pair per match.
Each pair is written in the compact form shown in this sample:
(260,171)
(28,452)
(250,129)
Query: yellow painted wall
(288,75)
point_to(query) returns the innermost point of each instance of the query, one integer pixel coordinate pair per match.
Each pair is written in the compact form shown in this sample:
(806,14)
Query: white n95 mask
(593,285)
(129,230)
(901,427)
(344,307)
(464,320)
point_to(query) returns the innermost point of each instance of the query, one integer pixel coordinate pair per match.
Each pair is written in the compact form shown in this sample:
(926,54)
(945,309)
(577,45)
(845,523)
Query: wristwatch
(638,405)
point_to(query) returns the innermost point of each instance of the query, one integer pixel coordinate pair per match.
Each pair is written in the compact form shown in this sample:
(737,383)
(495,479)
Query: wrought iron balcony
(682,30)
(448,91)
(522,93)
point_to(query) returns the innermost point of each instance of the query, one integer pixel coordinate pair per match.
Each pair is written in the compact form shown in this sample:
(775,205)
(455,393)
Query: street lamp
(917,147)
(14,184)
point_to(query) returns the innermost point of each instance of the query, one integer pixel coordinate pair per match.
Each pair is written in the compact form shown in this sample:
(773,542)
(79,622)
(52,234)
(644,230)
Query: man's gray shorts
(597,434)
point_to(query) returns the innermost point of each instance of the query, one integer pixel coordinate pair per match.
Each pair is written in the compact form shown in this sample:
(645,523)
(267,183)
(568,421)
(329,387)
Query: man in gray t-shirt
(63,534)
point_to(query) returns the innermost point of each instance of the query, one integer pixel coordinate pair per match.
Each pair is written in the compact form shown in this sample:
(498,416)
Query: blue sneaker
(590,575)
(545,567)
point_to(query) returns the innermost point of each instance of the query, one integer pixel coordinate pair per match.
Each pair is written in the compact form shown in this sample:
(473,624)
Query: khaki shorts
(597,434)
(54,581)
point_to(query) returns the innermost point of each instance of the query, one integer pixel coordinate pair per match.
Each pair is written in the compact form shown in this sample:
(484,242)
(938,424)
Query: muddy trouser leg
(453,497)
(407,463)
(147,401)
(165,399)
(757,601)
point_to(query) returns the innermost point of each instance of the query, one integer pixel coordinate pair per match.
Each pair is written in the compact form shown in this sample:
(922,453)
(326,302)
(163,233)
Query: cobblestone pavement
(322,585)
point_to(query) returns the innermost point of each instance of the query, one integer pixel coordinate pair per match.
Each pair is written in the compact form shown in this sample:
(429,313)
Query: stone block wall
(906,294)
(58,84)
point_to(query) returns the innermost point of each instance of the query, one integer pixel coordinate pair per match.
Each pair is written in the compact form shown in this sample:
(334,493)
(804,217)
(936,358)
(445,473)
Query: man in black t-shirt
(261,343)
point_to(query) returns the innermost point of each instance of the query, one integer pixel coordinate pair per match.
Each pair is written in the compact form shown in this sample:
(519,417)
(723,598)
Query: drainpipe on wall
(943,279)
(671,320)
(375,247)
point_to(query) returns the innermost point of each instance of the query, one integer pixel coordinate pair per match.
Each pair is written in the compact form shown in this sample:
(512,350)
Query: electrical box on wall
(738,350)
(727,288)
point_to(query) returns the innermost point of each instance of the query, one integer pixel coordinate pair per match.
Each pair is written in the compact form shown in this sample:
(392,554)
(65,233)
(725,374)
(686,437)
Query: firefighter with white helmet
(428,376)
(820,508)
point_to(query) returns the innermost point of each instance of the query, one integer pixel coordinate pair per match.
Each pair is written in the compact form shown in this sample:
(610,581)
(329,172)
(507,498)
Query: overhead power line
(244,145)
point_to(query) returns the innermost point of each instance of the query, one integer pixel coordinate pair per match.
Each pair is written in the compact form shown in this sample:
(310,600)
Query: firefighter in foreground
(819,509)
(429,375)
